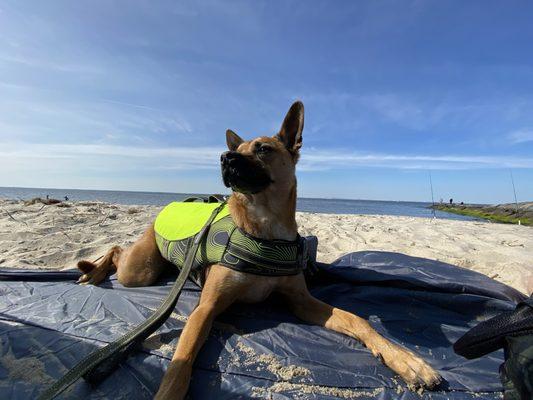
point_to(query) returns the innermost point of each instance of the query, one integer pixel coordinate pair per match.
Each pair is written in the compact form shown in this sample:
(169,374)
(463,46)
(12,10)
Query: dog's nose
(227,156)
(224,158)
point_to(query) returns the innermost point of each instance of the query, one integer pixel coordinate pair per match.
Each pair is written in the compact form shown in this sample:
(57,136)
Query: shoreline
(503,213)
(304,204)
(57,236)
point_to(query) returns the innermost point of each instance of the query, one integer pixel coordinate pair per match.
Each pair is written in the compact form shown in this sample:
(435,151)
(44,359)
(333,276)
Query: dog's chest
(255,288)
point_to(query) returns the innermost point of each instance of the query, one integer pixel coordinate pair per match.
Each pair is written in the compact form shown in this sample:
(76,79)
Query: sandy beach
(56,236)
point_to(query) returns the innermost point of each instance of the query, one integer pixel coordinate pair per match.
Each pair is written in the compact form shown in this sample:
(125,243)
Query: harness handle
(213,198)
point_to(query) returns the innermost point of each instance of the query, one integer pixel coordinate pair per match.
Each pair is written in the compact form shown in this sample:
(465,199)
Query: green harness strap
(97,365)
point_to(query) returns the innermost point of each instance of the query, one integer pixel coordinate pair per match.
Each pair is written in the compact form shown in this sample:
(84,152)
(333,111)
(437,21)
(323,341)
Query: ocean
(330,206)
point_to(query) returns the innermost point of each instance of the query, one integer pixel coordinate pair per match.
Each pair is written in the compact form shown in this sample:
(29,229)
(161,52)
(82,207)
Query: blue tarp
(48,323)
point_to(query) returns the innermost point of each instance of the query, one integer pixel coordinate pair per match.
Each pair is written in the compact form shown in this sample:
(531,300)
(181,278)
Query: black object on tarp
(257,350)
(512,331)
(490,335)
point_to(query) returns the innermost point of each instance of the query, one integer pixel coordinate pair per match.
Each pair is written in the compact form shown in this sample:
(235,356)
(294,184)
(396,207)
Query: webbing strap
(100,363)
(212,198)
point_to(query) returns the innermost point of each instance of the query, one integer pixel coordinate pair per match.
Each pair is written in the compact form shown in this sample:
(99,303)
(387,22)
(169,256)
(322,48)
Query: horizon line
(225,194)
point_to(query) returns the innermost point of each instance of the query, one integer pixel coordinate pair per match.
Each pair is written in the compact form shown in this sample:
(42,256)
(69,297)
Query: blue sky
(137,95)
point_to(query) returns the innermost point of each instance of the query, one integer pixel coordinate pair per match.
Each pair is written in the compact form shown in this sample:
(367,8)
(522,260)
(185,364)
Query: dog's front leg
(176,380)
(217,295)
(410,367)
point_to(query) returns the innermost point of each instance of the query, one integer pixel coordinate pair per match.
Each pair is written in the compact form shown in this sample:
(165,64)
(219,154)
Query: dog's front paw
(92,273)
(413,369)
(175,381)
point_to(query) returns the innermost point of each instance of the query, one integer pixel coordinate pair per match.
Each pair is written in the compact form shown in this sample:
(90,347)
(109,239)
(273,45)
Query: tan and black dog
(261,173)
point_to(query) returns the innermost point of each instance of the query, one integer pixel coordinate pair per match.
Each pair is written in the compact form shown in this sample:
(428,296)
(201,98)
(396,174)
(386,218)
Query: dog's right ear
(233,140)
(292,127)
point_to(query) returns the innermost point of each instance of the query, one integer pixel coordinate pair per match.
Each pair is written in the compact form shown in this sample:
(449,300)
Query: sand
(56,236)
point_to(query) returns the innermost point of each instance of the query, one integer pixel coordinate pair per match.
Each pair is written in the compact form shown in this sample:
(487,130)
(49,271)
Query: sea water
(330,206)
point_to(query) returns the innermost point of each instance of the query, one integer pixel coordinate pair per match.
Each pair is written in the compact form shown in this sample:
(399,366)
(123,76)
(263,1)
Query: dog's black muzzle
(242,174)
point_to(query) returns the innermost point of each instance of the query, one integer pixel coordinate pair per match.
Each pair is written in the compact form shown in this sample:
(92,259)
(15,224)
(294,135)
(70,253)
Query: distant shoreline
(502,213)
(327,206)
(134,192)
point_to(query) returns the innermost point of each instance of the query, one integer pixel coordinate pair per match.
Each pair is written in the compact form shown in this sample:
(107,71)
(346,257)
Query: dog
(261,174)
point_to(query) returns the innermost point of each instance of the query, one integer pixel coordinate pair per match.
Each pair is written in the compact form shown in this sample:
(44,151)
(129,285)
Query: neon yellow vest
(225,244)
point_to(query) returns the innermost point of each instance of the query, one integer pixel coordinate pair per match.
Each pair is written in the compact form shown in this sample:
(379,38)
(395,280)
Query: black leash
(99,364)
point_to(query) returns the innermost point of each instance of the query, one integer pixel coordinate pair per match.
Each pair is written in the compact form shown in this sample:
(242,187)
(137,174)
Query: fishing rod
(432,199)
(515,200)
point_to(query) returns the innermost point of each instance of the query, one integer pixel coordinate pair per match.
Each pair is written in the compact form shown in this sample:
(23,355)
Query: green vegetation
(479,212)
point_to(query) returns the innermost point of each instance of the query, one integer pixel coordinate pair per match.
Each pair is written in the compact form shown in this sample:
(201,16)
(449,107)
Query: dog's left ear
(233,140)
(290,133)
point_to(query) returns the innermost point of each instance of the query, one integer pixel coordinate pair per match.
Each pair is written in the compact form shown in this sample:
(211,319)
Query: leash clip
(303,253)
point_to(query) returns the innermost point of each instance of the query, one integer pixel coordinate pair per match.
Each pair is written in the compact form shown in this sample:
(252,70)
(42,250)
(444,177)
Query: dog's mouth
(242,174)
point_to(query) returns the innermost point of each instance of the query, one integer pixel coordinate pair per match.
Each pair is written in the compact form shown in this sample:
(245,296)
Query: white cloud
(156,157)
(40,120)
(187,158)
(328,160)
(521,136)
(61,66)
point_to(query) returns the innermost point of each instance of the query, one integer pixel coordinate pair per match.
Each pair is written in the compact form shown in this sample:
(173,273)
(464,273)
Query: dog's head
(253,166)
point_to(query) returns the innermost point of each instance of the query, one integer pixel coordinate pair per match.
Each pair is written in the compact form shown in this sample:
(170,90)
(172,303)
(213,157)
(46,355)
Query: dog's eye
(264,149)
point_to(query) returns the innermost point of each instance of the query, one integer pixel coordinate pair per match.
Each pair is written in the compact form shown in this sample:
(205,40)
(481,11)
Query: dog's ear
(290,133)
(233,140)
